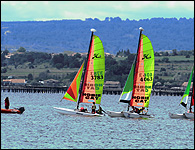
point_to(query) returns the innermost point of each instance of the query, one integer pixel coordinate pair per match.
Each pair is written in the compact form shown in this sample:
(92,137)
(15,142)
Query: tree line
(115,70)
(57,35)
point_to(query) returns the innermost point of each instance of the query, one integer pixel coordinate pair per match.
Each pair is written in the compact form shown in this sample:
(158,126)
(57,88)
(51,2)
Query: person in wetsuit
(93,107)
(7,103)
(99,111)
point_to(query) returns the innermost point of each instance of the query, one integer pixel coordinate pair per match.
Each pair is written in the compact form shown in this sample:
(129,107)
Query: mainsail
(94,75)
(187,91)
(143,74)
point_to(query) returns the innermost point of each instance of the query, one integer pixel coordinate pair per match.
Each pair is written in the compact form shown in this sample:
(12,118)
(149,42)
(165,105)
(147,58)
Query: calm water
(40,127)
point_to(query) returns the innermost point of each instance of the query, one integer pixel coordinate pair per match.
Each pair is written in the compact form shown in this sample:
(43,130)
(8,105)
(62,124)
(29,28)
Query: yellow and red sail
(95,73)
(94,76)
(143,74)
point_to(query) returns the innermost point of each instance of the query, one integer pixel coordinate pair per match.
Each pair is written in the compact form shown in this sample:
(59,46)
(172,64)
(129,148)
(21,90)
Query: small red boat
(14,111)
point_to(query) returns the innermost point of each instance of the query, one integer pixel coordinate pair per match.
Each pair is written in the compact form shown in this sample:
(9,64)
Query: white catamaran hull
(67,111)
(177,116)
(189,115)
(136,115)
(115,114)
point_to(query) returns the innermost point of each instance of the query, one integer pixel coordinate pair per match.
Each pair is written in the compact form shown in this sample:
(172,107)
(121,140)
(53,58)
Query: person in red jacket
(6,103)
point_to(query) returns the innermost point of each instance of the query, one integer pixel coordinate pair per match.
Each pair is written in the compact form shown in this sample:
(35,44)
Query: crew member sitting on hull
(82,109)
(190,110)
(136,110)
(99,111)
(142,110)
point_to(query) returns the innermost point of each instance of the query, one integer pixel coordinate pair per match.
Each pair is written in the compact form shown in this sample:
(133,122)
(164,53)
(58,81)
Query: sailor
(133,109)
(82,109)
(143,110)
(146,111)
(136,110)
(190,110)
(7,103)
(99,111)
(93,107)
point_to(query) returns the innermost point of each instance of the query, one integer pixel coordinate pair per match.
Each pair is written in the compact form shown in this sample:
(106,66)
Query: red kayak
(14,111)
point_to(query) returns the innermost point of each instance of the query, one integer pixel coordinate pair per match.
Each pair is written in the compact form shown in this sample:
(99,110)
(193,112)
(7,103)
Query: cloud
(14,3)
(47,10)
(188,5)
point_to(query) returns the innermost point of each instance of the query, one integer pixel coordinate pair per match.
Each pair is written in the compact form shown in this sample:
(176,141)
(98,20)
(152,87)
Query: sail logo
(146,56)
(96,56)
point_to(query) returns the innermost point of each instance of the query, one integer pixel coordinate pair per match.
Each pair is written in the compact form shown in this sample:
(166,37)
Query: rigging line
(148,50)
(61,99)
(147,43)
(98,42)
(98,49)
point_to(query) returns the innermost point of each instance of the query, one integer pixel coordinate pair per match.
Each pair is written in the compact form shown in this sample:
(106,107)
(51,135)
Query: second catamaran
(137,90)
(93,80)
(184,104)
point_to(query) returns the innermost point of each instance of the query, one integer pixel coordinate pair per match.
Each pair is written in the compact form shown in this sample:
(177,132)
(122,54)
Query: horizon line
(96,19)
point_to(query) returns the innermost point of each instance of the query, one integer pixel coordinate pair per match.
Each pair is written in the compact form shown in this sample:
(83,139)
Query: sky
(58,10)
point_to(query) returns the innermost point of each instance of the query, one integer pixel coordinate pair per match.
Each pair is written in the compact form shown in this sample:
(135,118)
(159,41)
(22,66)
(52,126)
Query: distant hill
(116,34)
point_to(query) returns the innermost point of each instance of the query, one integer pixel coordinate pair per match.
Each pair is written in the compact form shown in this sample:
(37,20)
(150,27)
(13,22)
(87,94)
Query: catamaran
(190,114)
(184,104)
(138,87)
(92,82)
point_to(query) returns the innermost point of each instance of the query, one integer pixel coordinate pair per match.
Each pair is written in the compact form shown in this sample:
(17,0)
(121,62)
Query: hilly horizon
(58,36)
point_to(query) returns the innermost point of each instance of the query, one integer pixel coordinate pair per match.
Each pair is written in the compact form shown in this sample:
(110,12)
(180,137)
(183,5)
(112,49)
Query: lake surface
(41,127)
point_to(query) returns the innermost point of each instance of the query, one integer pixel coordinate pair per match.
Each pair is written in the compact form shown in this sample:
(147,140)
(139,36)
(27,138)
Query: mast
(135,60)
(80,92)
(192,96)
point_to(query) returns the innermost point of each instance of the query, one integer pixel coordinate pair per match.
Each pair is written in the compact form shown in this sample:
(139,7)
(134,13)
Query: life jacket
(82,109)
(100,110)
(137,110)
(141,110)
(6,102)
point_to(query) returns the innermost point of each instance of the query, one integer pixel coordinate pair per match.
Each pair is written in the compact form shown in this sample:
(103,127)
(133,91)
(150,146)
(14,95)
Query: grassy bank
(173,69)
